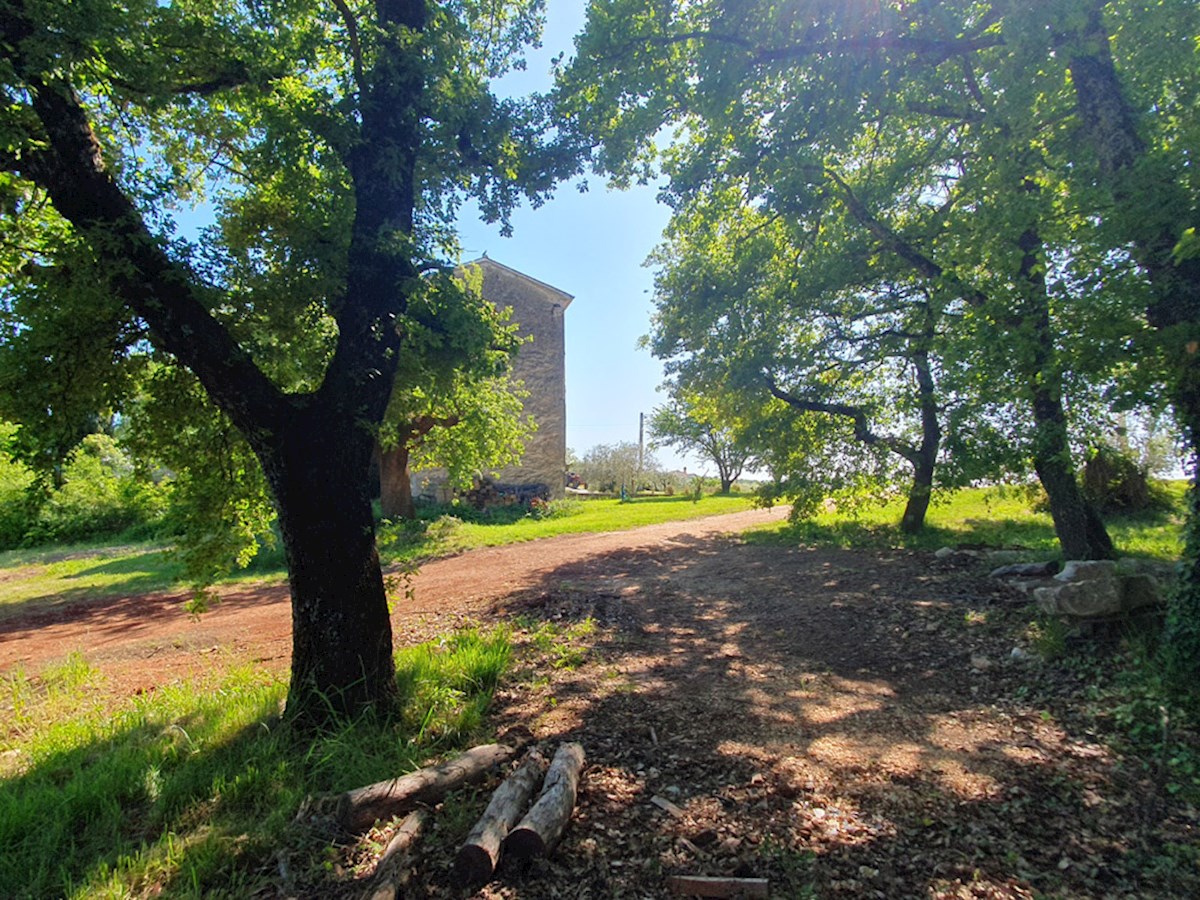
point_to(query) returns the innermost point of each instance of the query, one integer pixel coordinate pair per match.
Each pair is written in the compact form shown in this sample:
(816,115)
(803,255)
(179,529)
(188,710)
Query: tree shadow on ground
(834,720)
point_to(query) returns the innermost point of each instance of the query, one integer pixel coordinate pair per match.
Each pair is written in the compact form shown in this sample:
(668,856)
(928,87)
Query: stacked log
(546,820)
(479,855)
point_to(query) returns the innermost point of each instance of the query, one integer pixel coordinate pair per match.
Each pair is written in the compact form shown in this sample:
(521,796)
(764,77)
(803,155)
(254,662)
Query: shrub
(101,495)
(1114,482)
(16,504)
(554,509)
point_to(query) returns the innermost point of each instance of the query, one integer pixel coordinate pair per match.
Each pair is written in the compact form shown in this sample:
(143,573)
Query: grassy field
(993,517)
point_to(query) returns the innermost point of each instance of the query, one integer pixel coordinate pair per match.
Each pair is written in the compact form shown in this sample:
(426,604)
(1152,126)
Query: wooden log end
(472,865)
(524,843)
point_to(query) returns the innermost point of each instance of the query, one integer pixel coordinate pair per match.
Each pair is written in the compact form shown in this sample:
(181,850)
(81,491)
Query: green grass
(992,517)
(47,578)
(191,790)
(454,529)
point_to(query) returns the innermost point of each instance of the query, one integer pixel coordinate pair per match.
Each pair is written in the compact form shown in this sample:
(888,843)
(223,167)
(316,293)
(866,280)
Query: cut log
(478,856)
(359,809)
(389,870)
(543,825)
(703,886)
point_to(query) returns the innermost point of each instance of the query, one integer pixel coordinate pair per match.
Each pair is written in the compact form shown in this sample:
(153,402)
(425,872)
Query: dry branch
(703,886)
(388,872)
(478,856)
(543,825)
(359,809)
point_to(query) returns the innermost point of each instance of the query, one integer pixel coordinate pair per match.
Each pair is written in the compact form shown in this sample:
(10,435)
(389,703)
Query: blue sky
(591,245)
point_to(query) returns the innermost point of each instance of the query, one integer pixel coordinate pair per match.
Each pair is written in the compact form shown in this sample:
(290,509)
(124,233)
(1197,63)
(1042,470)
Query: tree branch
(902,248)
(858,415)
(157,288)
(355,48)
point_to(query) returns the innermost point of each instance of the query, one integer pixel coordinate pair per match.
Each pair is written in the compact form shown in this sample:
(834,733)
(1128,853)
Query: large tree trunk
(395,484)
(315,448)
(1080,530)
(341,633)
(924,457)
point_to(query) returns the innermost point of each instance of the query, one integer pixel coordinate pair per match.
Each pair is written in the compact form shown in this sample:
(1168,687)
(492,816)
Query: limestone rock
(1096,589)
(1004,557)
(1086,590)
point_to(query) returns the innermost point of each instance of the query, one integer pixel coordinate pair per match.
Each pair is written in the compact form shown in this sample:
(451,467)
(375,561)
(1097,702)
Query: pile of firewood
(510,825)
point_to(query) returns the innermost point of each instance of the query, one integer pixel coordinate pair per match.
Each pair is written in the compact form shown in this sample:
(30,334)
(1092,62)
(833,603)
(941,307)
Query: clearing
(850,723)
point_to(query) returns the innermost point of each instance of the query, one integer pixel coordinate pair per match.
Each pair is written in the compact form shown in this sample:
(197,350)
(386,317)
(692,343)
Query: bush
(1114,483)
(554,509)
(100,496)
(16,505)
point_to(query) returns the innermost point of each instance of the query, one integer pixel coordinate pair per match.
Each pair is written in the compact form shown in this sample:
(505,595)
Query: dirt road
(140,641)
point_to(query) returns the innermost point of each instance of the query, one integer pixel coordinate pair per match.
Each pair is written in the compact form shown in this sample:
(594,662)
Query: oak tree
(333,142)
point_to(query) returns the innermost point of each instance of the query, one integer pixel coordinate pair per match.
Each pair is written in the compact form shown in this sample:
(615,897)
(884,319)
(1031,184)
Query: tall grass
(190,790)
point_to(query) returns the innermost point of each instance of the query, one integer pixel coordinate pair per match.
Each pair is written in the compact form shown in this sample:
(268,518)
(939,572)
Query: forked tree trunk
(395,484)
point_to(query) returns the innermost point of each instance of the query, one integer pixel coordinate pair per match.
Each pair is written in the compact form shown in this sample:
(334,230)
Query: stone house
(537,310)
(541,363)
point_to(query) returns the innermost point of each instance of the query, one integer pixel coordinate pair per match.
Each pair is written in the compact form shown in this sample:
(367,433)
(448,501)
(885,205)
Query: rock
(1003,557)
(1026,570)
(944,553)
(1019,654)
(980,663)
(1095,589)
(1140,592)
(1083,600)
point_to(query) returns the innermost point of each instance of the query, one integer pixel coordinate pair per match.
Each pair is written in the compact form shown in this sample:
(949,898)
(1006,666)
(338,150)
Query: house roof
(485,261)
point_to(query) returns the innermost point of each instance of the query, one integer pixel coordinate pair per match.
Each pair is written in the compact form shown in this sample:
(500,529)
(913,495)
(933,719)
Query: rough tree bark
(543,825)
(479,854)
(359,809)
(395,484)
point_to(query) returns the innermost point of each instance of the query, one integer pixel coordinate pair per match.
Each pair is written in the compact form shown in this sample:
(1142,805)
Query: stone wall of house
(538,310)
